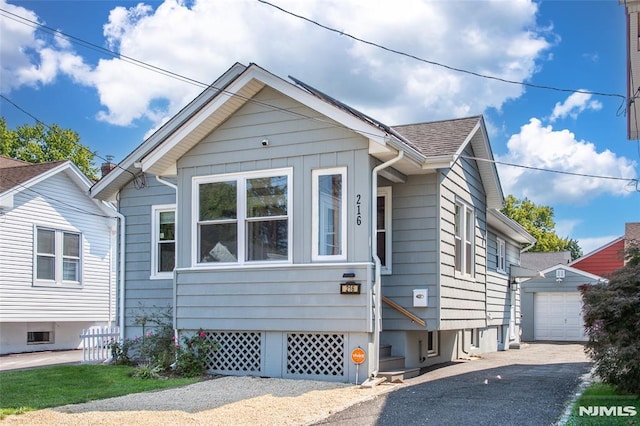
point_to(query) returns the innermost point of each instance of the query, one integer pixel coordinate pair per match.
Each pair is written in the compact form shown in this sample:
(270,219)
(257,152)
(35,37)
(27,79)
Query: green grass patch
(618,408)
(34,389)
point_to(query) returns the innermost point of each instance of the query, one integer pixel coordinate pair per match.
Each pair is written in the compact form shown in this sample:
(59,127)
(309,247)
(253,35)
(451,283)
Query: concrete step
(399,376)
(391,363)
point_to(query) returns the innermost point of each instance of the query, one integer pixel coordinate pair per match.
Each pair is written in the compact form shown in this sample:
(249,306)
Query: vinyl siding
(498,291)
(415,251)
(142,295)
(55,203)
(462,299)
(277,297)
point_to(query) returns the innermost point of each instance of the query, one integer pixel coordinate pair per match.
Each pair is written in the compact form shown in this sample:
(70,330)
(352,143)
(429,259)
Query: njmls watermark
(612,411)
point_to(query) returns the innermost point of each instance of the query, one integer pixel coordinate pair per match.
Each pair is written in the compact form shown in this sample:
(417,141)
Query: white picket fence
(95,343)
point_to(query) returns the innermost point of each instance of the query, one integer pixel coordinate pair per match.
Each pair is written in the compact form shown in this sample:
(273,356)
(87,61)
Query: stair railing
(403,311)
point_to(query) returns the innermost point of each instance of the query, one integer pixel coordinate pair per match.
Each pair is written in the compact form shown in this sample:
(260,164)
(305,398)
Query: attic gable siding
(37,206)
(302,144)
(415,250)
(462,300)
(604,262)
(141,293)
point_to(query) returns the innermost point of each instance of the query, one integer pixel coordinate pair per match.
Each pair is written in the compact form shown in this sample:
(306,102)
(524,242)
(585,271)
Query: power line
(449,67)
(630,180)
(78,144)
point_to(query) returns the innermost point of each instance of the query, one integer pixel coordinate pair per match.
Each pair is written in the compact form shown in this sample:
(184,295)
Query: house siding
(462,299)
(604,262)
(415,251)
(142,295)
(55,203)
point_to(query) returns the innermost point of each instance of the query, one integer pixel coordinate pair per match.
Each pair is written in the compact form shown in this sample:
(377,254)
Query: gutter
(377,283)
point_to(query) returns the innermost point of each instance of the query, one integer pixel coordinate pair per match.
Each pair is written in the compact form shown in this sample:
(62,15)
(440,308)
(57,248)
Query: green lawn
(602,395)
(38,388)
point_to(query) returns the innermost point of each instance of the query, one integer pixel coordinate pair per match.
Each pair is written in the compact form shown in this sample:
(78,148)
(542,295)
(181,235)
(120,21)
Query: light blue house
(295,229)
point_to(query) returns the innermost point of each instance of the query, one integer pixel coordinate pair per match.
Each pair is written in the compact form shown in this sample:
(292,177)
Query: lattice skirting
(304,355)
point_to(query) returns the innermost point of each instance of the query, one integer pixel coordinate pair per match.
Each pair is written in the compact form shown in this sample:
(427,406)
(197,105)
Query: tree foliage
(39,144)
(612,320)
(538,221)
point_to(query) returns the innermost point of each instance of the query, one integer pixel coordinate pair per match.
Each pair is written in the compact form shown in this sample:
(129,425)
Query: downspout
(377,283)
(175,319)
(120,273)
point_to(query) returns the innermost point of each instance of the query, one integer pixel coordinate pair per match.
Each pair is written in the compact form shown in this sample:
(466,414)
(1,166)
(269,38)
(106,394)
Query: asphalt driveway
(529,386)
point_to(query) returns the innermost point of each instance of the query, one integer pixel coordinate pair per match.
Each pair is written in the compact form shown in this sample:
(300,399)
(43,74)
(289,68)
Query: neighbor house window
(501,255)
(383,228)
(163,244)
(243,218)
(329,214)
(464,237)
(57,256)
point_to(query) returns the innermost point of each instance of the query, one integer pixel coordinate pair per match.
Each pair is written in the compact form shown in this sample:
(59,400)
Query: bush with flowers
(157,351)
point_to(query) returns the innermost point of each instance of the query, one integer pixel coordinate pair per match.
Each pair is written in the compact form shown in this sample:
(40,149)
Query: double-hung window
(383,228)
(243,218)
(57,256)
(329,213)
(501,255)
(163,245)
(464,238)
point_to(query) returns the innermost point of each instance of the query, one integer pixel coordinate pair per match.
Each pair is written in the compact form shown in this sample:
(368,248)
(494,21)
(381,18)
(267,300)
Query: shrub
(192,354)
(147,371)
(612,320)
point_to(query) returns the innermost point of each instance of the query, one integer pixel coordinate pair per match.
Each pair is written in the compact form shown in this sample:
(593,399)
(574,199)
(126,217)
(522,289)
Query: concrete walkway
(39,359)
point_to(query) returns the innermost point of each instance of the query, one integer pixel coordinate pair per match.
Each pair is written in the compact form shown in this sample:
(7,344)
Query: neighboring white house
(56,257)
(294,230)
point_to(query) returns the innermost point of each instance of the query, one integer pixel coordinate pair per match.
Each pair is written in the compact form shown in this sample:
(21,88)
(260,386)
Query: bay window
(243,218)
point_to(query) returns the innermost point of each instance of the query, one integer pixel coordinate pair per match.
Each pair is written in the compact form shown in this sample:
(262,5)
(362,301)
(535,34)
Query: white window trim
(466,209)
(241,179)
(501,255)
(386,192)
(58,280)
(315,214)
(155,216)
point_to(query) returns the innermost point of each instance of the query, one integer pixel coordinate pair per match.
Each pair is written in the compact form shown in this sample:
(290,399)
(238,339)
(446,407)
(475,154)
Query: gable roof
(543,260)
(14,173)
(17,176)
(159,154)
(588,275)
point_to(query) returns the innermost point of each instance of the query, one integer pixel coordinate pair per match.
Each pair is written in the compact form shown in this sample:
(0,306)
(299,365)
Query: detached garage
(552,306)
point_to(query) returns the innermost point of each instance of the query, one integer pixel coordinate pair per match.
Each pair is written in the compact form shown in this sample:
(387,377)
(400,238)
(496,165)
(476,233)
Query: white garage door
(558,316)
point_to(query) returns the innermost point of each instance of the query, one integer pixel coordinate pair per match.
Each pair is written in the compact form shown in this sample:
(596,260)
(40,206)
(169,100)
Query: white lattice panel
(315,354)
(238,351)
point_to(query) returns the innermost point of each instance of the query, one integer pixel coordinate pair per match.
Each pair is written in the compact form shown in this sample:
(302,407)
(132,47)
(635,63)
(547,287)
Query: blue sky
(114,104)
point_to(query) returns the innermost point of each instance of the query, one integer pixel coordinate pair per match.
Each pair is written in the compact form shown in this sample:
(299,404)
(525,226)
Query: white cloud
(543,147)
(201,39)
(575,104)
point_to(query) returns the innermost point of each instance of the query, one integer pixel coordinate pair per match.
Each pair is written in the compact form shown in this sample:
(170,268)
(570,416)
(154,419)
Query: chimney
(631,233)
(108,166)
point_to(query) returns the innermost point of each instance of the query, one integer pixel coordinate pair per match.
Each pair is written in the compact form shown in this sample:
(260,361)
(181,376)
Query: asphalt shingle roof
(16,172)
(438,137)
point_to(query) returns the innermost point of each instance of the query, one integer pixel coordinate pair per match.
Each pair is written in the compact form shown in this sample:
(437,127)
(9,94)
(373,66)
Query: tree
(612,320)
(538,221)
(39,144)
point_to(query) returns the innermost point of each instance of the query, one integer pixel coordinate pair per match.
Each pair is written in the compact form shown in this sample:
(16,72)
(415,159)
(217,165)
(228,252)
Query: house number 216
(358,213)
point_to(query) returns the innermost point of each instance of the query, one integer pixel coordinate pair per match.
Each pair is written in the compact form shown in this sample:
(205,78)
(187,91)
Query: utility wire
(408,55)
(60,134)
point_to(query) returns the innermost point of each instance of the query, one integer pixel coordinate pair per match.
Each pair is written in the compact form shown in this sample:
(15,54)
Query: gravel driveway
(262,401)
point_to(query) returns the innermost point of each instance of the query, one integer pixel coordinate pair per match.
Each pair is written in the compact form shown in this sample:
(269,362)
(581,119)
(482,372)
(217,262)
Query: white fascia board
(575,271)
(439,162)
(255,73)
(509,227)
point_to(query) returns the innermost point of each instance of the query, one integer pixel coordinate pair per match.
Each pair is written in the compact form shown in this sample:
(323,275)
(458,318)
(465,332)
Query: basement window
(432,343)
(38,337)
